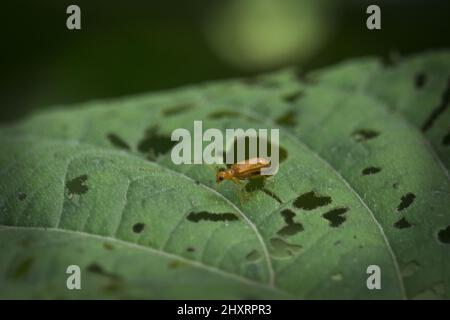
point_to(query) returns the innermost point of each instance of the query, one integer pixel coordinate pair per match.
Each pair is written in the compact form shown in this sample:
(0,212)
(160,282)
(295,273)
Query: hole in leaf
(288,216)
(444,235)
(335,216)
(208,216)
(420,80)
(406,201)
(311,200)
(446,139)
(117,141)
(287,119)
(138,227)
(445,101)
(291,227)
(154,144)
(253,256)
(77,185)
(364,134)
(190,249)
(371,170)
(402,224)
(22,196)
(177,109)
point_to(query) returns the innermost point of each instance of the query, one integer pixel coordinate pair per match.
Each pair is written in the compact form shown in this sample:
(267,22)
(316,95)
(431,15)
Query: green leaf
(361,184)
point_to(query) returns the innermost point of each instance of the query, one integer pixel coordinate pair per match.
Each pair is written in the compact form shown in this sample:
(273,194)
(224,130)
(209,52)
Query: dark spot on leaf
(292,97)
(395,185)
(420,80)
(197,182)
(22,269)
(97,269)
(446,139)
(138,227)
(176,264)
(288,216)
(364,134)
(311,200)
(77,185)
(291,227)
(230,114)
(287,119)
(402,224)
(177,109)
(154,144)
(445,101)
(22,196)
(108,246)
(117,141)
(281,248)
(444,235)
(371,170)
(208,216)
(337,242)
(253,256)
(336,216)
(190,249)
(406,201)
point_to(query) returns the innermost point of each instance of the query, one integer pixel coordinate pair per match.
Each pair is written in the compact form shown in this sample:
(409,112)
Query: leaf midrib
(151,250)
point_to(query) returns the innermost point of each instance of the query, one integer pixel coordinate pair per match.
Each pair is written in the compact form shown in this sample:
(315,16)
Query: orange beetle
(243,170)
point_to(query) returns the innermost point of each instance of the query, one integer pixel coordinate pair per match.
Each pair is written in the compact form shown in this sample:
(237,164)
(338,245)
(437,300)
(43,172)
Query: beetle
(243,170)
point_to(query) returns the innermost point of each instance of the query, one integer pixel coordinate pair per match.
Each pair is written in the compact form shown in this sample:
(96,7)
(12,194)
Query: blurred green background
(127,47)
